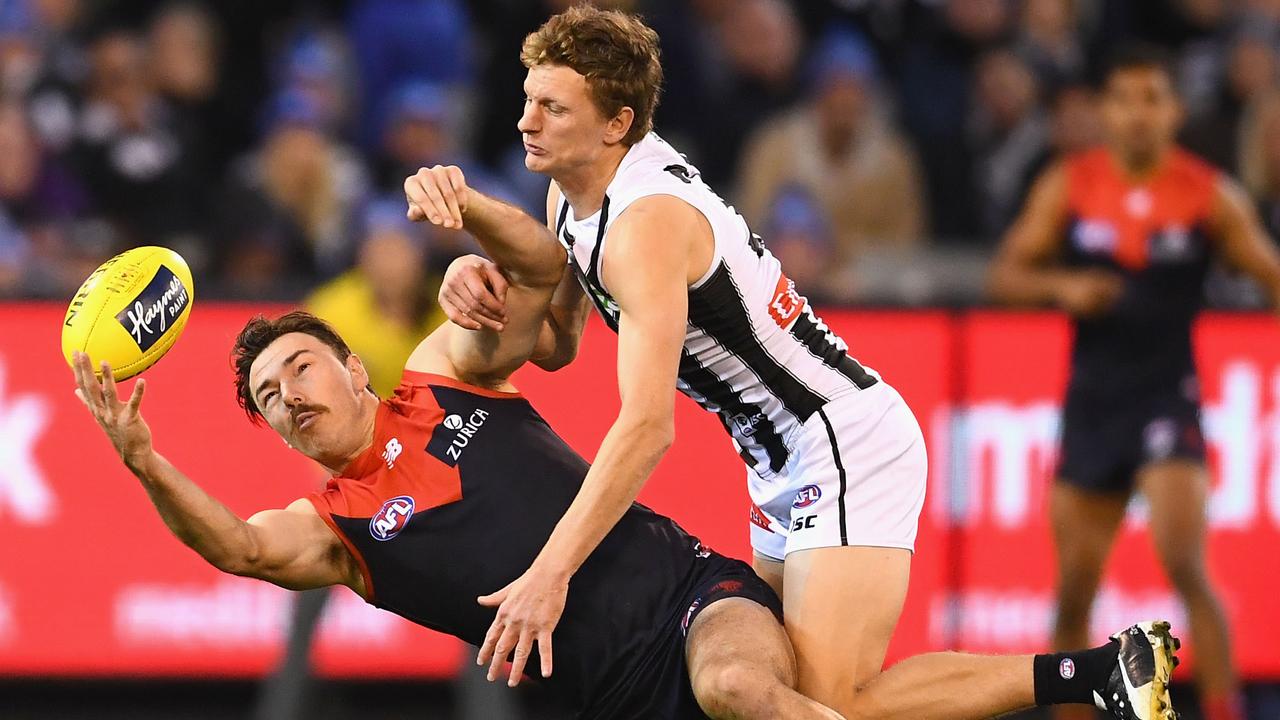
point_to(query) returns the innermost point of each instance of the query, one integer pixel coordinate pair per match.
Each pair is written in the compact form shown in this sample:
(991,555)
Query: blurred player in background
(1121,237)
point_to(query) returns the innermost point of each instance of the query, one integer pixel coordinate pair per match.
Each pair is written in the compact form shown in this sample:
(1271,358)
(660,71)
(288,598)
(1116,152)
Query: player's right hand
(473,294)
(439,195)
(1087,293)
(121,421)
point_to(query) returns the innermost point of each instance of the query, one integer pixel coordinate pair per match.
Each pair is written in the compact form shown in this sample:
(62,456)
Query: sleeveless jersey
(754,353)
(455,498)
(1154,236)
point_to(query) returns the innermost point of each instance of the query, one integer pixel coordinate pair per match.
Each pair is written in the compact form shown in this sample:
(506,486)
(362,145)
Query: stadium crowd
(267,142)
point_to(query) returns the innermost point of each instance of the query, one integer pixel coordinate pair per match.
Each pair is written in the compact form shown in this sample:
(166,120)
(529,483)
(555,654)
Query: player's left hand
(528,611)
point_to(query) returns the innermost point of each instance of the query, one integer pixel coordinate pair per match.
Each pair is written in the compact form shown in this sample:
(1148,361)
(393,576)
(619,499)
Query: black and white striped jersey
(754,351)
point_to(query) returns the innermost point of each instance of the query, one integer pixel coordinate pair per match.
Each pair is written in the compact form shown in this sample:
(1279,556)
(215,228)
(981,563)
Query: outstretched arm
(1241,240)
(292,548)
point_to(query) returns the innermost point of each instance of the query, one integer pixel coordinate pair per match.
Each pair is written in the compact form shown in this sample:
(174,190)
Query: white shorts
(856,476)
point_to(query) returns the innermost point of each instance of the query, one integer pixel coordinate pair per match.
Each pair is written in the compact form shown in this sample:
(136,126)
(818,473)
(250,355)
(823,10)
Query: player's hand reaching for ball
(438,195)
(121,421)
(473,294)
(528,611)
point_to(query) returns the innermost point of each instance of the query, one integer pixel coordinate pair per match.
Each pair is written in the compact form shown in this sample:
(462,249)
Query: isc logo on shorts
(806,496)
(391,519)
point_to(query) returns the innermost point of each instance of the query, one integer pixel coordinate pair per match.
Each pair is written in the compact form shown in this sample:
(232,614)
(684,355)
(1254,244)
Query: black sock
(1071,677)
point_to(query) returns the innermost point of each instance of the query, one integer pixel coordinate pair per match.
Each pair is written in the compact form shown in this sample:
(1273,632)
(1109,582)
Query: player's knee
(1187,575)
(730,688)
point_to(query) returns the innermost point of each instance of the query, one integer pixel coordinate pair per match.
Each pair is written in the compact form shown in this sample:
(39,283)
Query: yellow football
(130,311)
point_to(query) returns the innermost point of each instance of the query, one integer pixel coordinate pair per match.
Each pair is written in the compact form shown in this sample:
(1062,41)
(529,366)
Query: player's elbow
(236,564)
(543,266)
(994,284)
(1000,281)
(653,432)
(552,363)
(559,357)
(243,558)
(548,268)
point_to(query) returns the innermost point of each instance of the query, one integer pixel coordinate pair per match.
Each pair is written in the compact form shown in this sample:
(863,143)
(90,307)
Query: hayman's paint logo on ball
(807,496)
(391,519)
(155,309)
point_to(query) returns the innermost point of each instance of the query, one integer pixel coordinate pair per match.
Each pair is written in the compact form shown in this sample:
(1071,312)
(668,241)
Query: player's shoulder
(652,162)
(414,396)
(1093,162)
(1186,166)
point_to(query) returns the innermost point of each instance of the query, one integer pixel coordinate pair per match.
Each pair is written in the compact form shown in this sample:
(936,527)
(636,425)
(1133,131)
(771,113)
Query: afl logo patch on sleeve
(391,519)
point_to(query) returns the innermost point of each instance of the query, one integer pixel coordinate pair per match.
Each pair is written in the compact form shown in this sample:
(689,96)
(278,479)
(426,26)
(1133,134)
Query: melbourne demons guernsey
(754,351)
(455,498)
(1154,234)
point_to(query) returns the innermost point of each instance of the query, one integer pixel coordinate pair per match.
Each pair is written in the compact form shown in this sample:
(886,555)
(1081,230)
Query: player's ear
(1179,113)
(359,375)
(619,125)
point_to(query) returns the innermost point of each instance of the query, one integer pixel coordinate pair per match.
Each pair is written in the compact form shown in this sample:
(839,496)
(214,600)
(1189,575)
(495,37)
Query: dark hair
(260,332)
(1138,56)
(617,54)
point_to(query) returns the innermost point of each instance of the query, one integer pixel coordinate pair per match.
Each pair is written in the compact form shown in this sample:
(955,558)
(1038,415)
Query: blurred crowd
(268,141)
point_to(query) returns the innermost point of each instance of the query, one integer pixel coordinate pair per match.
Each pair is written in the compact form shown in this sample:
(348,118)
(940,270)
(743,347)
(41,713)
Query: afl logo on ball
(392,518)
(807,496)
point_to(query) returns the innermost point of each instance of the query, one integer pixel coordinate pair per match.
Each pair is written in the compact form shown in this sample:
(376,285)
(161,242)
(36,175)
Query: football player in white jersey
(836,462)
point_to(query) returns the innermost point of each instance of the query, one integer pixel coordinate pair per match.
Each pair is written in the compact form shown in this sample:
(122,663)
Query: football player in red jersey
(1121,237)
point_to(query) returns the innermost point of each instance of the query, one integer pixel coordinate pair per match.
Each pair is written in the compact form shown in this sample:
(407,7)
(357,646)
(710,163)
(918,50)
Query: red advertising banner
(92,583)
(1004,445)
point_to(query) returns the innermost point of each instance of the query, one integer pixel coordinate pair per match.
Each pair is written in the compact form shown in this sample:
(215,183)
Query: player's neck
(339,461)
(584,186)
(1138,170)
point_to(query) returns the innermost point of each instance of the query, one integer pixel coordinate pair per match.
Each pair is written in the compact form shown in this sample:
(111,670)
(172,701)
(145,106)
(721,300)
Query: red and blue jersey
(1155,235)
(455,498)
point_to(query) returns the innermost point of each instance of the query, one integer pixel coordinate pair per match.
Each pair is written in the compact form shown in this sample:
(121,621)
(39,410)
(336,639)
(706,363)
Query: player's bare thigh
(741,665)
(769,570)
(841,606)
(851,529)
